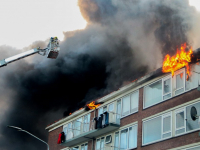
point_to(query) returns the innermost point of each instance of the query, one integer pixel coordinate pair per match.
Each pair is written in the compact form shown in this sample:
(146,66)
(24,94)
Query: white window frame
(83,124)
(84,145)
(102,108)
(100,143)
(110,139)
(71,129)
(81,127)
(175,74)
(118,114)
(119,132)
(176,129)
(121,116)
(164,79)
(189,148)
(162,125)
(144,94)
(109,106)
(162,116)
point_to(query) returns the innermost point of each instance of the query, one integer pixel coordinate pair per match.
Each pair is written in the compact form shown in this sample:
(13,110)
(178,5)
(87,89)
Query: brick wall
(53,138)
(141,114)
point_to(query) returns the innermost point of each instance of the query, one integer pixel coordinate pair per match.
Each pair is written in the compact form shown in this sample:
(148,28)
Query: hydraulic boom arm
(52,51)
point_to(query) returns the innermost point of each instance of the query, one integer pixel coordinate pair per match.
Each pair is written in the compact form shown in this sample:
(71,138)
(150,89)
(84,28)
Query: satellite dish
(193,113)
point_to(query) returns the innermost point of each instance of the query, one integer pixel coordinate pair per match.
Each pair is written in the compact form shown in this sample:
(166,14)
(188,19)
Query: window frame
(119,134)
(189,148)
(110,139)
(83,124)
(121,99)
(164,79)
(100,143)
(162,115)
(102,108)
(171,125)
(81,127)
(176,129)
(84,144)
(175,84)
(161,79)
(78,132)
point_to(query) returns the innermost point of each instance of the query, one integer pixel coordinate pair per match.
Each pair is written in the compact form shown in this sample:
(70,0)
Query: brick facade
(141,114)
(53,138)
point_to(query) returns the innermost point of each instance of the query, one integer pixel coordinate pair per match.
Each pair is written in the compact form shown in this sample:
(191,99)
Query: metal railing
(79,127)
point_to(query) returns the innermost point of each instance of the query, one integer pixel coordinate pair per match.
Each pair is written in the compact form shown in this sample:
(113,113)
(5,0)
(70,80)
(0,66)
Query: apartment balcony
(86,131)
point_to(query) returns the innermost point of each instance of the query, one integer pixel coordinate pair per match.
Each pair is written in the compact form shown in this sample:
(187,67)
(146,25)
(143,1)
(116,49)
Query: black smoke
(122,41)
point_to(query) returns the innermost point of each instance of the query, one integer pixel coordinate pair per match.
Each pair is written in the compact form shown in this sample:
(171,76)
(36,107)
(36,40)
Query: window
(157,129)
(118,116)
(100,144)
(192,81)
(77,126)
(167,89)
(111,113)
(67,129)
(191,124)
(130,103)
(179,81)
(180,121)
(84,146)
(126,138)
(102,110)
(167,126)
(111,107)
(86,124)
(183,120)
(108,139)
(153,94)
(160,127)
(75,148)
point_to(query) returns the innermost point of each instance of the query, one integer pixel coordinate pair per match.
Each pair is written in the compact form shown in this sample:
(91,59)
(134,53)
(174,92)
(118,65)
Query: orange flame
(70,113)
(92,105)
(180,60)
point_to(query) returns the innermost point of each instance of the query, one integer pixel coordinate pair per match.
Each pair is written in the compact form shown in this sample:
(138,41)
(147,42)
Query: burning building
(158,111)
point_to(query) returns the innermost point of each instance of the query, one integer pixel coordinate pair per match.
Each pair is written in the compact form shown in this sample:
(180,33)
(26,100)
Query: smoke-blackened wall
(122,41)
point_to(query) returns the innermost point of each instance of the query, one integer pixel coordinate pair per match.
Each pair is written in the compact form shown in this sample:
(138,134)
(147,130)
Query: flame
(92,105)
(180,60)
(80,108)
(70,113)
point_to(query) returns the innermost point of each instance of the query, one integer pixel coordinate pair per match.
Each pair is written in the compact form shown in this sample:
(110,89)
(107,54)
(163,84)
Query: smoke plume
(122,41)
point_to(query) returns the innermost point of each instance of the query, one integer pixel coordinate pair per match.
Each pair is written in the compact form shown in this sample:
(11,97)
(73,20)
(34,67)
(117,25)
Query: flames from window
(180,60)
(92,105)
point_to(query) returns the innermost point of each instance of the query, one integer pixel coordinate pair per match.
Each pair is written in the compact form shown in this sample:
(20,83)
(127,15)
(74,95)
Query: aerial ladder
(51,51)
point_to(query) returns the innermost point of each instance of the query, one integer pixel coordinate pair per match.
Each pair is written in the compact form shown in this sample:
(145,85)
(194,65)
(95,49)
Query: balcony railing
(110,147)
(82,131)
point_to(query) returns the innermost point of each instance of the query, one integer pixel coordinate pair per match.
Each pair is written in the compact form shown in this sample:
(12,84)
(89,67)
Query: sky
(25,21)
(195,3)
(99,54)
